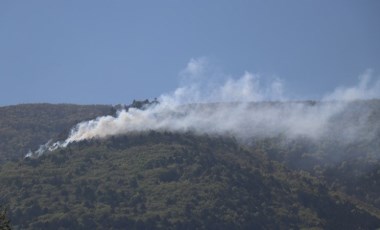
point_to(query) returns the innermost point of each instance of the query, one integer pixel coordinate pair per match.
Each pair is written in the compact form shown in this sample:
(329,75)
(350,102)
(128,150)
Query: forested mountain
(170,180)
(26,126)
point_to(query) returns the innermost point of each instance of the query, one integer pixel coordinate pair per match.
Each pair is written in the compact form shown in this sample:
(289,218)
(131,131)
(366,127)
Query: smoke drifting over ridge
(244,107)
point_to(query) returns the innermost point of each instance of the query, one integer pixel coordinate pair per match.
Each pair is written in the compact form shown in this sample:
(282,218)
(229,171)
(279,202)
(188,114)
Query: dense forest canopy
(185,180)
(26,126)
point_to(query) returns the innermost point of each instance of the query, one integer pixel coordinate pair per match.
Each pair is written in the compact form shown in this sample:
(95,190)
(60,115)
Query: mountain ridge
(184,180)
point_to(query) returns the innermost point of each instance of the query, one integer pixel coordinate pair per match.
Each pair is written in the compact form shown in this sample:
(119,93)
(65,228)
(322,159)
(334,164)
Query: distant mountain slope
(184,180)
(27,126)
(170,181)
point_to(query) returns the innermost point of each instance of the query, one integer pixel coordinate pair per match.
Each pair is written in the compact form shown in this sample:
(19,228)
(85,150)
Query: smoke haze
(244,107)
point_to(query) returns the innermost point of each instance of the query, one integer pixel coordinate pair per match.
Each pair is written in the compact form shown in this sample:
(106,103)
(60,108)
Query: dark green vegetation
(183,181)
(4,220)
(27,126)
(168,180)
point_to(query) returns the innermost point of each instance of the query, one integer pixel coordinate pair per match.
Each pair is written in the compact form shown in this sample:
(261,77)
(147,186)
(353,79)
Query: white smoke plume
(242,107)
(366,89)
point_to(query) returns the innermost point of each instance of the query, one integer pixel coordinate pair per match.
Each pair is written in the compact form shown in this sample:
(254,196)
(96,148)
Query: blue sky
(110,52)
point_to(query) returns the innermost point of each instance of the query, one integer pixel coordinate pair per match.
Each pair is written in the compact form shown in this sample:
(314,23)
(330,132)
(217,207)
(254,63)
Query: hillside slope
(170,181)
(183,180)
(26,126)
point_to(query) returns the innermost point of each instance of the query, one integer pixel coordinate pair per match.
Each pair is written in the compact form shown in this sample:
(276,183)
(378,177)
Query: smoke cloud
(244,107)
(366,89)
